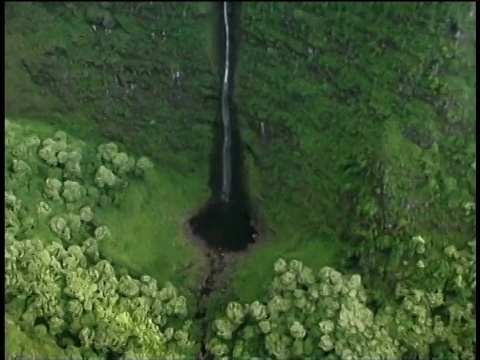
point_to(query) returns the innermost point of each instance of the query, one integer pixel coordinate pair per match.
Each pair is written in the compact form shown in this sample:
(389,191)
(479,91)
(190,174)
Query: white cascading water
(227,140)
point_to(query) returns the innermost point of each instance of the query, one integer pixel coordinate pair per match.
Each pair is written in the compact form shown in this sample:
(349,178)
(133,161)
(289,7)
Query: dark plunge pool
(224,226)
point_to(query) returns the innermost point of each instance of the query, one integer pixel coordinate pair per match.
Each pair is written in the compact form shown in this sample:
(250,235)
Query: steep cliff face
(362,122)
(141,71)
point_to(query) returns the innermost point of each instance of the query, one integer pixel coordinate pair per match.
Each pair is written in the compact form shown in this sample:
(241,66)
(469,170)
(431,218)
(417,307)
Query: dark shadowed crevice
(225,224)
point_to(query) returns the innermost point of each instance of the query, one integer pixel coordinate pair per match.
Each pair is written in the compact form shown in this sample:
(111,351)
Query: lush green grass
(147,228)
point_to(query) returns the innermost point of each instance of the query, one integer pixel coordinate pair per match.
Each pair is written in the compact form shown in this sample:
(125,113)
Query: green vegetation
(20,346)
(368,111)
(147,224)
(361,122)
(58,282)
(115,62)
(325,315)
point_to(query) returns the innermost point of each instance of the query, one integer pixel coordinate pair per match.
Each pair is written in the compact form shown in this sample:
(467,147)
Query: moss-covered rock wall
(361,118)
(141,71)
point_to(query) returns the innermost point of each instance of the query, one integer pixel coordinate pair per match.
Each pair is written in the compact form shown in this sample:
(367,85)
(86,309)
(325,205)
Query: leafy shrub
(326,315)
(68,286)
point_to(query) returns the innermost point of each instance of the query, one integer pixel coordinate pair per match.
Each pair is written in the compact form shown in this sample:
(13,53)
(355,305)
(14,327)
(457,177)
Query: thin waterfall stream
(227,137)
(224,224)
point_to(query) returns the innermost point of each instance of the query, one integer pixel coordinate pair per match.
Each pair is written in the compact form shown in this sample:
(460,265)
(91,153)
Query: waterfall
(224,222)
(227,136)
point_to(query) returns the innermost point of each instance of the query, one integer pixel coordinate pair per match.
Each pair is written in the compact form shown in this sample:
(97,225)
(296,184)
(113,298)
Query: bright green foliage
(235,313)
(327,316)
(20,151)
(90,249)
(60,137)
(217,348)
(436,317)
(128,286)
(142,165)
(72,168)
(278,345)
(43,209)
(39,272)
(122,163)
(148,286)
(104,177)
(21,171)
(59,227)
(224,328)
(62,157)
(67,285)
(86,214)
(52,189)
(48,153)
(12,202)
(72,191)
(108,151)
(177,306)
(297,331)
(168,292)
(102,232)
(33,141)
(20,345)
